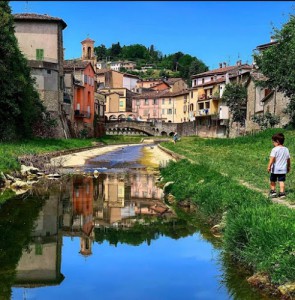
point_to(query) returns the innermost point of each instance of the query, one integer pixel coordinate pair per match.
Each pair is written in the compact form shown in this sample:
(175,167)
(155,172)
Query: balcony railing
(82,114)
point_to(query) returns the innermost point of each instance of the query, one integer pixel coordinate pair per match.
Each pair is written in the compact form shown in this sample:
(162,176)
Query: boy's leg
(273,185)
(282,186)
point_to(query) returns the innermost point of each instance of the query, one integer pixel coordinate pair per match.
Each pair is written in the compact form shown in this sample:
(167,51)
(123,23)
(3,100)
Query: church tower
(88,49)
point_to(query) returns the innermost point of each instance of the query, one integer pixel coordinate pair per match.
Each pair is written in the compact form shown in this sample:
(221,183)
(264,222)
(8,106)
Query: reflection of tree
(146,232)
(234,279)
(17,218)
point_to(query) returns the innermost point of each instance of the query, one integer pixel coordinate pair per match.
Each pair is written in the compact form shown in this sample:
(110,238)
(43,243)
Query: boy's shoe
(282,195)
(272,194)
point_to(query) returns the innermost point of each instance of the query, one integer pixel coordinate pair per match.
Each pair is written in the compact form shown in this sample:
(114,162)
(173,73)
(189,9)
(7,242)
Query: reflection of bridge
(140,127)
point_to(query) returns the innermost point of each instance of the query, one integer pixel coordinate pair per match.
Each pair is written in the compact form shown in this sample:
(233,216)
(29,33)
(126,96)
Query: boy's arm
(288,165)
(271,161)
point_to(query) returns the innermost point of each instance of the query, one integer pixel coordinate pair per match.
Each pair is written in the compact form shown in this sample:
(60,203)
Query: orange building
(84,103)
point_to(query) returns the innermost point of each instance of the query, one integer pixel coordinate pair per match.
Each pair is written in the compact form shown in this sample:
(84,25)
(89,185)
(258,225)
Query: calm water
(110,237)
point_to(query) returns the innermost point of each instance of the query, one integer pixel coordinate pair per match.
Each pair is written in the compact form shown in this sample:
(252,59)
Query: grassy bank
(258,233)
(9,152)
(244,158)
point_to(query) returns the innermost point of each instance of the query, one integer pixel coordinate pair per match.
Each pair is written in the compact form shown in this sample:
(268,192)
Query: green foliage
(235,97)
(19,101)
(141,233)
(235,156)
(17,219)
(277,64)
(184,65)
(257,233)
(266,121)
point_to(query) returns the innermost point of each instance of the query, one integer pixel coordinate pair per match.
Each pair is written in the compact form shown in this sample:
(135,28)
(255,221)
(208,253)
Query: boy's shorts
(277,177)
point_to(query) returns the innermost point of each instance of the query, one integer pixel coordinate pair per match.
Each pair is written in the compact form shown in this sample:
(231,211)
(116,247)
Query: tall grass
(258,233)
(244,158)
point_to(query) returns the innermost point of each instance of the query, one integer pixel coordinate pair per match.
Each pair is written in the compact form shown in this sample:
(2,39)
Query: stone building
(40,38)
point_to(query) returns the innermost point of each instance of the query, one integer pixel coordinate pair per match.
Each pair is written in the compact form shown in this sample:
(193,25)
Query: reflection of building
(40,263)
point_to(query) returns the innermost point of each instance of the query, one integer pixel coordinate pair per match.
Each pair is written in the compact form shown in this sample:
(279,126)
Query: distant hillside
(173,65)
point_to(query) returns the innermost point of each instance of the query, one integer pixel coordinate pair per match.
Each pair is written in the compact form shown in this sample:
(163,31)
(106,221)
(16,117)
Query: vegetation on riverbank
(10,151)
(257,233)
(243,159)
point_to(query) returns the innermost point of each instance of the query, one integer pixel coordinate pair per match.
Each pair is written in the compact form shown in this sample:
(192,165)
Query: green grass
(243,158)
(120,139)
(9,152)
(258,233)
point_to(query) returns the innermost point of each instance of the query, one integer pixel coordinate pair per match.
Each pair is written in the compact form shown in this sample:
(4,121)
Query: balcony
(204,112)
(82,114)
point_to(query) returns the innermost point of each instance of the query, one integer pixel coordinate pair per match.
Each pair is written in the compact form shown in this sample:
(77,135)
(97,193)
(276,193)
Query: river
(110,236)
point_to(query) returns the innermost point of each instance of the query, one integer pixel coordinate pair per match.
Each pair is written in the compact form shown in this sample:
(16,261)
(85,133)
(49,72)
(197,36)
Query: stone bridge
(150,128)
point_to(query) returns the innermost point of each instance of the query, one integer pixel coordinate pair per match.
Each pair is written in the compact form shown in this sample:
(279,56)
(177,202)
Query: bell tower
(88,49)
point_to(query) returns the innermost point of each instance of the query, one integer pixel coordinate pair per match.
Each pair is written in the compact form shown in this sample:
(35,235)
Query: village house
(262,100)
(83,96)
(40,38)
(163,106)
(118,103)
(212,114)
(113,79)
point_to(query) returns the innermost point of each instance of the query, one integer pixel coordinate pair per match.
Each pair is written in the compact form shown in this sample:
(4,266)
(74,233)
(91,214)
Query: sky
(212,31)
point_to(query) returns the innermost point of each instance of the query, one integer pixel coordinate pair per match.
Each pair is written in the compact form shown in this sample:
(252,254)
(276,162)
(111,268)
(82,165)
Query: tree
(100,51)
(235,97)
(277,64)
(196,67)
(115,51)
(267,120)
(20,105)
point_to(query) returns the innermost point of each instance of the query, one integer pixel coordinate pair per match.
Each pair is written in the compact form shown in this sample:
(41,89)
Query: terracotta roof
(218,80)
(222,70)
(77,64)
(153,94)
(161,94)
(172,80)
(265,46)
(87,40)
(39,18)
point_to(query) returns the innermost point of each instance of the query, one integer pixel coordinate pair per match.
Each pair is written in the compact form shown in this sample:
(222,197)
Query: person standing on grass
(175,137)
(279,165)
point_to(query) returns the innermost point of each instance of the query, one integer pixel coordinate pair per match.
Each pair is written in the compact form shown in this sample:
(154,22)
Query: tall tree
(277,64)
(20,106)
(115,51)
(100,51)
(235,97)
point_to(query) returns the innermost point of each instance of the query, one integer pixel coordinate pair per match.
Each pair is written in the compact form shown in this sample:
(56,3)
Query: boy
(279,165)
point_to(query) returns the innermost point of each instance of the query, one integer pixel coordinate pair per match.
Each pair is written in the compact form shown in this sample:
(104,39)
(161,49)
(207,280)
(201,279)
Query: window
(48,71)
(163,111)
(121,103)
(192,94)
(184,108)
(207,104)
(137,102)
(85,78)
(39,54)
(154,113)
(145,112)
(203,80)
(201,105)
(169,100)
(155,101)
(169,111)
(163,101)
(146,101)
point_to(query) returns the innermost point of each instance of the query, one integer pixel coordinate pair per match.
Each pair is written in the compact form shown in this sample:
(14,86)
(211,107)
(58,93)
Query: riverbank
(256,232)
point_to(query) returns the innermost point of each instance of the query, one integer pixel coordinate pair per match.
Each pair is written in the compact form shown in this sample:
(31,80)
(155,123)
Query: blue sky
(212,31)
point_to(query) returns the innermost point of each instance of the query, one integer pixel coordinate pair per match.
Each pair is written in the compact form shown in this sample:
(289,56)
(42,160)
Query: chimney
(220,65)
(239,63)
(272,39)
(224,64)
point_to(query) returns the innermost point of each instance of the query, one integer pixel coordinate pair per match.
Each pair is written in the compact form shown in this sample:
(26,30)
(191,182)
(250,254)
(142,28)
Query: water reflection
(99,221)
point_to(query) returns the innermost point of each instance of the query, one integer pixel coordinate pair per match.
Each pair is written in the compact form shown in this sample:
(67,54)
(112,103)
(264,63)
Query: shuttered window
(39,54)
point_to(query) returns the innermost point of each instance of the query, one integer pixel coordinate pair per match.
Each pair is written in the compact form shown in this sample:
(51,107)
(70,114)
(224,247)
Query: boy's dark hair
(279,138)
